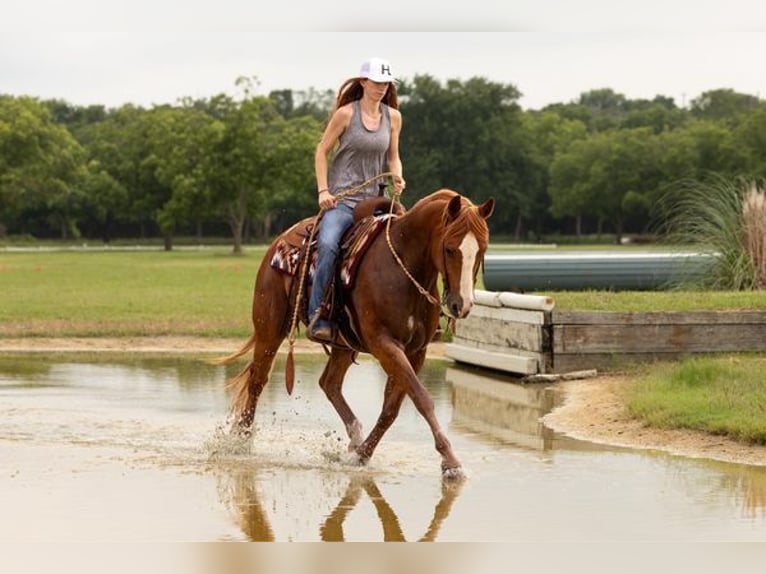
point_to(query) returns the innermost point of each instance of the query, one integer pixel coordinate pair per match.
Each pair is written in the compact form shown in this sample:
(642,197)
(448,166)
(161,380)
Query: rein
(431,299)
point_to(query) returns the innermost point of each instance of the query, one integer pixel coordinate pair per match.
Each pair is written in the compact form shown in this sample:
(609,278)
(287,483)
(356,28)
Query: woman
(363,137)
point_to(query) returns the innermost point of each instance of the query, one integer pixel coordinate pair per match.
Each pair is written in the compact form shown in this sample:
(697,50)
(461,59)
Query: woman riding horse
(396,307)
(362,136)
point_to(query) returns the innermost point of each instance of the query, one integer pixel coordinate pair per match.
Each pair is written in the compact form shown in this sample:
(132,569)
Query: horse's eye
(449,251)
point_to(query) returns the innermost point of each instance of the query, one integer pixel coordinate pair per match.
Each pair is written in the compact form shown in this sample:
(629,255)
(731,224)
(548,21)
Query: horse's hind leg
(392,402)
(249,384)
(331,383)
(270,326)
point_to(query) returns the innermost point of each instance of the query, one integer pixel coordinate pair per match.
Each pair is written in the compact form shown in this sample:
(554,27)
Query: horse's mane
(444,194)
(466,219)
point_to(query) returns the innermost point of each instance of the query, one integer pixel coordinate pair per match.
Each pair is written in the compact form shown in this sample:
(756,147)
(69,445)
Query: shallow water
(114,448)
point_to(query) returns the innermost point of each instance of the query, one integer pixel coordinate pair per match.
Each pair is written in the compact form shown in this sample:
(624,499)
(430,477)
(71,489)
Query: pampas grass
(724,217)
(754,229)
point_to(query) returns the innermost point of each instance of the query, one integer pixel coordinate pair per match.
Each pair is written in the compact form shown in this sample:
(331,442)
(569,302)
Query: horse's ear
(486,208)
(454,206)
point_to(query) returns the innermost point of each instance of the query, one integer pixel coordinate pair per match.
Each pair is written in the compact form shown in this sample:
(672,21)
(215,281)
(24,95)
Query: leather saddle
(370,218)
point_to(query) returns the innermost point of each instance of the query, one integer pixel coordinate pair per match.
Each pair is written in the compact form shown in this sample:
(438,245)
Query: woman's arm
(394,161)
(335,127)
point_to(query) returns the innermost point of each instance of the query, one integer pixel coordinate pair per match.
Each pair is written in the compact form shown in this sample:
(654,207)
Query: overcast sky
(155,51)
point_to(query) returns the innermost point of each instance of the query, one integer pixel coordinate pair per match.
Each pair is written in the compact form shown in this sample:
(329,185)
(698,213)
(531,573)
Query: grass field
(720,395)
(118,293)
(207,292)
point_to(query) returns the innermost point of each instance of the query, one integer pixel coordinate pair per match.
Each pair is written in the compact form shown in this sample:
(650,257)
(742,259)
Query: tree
(292,104)
(258,158)
(611,175)
(750,138)
(550,134)
(569,187)
(722,104)
(467,136)
(40,163)
(607,108)
(180,138)
(660,114)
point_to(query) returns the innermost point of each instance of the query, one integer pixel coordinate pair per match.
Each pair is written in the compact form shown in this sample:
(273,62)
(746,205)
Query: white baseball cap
(377,70)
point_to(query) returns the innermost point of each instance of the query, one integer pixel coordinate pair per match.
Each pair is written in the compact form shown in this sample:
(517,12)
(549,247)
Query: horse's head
(464,243)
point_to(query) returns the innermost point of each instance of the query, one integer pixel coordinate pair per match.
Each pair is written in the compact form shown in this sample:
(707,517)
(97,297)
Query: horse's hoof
(354,459)
(454,473)
(242,433)
(240,437)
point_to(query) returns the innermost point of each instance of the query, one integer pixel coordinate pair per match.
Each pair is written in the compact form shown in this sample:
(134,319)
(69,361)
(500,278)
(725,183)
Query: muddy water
(114,448)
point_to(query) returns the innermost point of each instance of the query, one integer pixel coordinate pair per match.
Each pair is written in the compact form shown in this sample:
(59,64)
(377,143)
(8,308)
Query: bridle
(445,291)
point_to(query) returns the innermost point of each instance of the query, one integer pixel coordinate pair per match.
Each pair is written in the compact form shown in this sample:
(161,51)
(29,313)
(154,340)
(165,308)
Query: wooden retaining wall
(507,332)
(491,406)
(500,334)
(605,339)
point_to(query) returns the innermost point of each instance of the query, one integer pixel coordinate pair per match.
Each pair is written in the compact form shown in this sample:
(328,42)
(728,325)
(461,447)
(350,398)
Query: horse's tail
(241,385)
(235,355)
(241,381)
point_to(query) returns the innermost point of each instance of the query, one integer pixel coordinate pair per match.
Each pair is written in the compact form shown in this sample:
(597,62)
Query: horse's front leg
(331,383)
(403,379)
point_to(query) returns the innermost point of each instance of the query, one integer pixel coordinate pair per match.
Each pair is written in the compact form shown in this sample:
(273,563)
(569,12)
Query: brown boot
(320,330)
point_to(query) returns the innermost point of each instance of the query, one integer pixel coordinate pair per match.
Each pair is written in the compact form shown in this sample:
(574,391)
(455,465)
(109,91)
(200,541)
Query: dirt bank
(594,410)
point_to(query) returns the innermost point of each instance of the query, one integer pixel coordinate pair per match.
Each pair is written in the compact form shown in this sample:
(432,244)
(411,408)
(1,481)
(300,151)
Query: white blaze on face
(470,250)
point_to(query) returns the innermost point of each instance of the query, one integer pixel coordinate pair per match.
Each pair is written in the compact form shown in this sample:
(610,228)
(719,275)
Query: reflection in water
(332,529)
(87,438)
(240,494)
(749,484)
(492,404)
(239,491)
(752,482)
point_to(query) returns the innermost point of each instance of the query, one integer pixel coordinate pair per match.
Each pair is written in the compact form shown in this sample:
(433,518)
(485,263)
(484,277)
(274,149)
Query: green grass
(658,300)
(105,293)
(720,395)
(207,293)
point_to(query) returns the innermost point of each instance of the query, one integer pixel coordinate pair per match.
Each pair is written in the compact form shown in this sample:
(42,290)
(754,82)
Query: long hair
(352,90)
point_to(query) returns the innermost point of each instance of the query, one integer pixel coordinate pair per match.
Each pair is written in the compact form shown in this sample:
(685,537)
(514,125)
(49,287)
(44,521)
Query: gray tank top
(361,154)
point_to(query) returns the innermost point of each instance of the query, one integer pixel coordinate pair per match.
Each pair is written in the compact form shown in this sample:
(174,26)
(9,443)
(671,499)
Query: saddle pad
(290,246)
(287,255)
(355,245)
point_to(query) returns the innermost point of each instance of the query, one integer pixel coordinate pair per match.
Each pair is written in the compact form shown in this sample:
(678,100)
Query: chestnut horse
(394,310)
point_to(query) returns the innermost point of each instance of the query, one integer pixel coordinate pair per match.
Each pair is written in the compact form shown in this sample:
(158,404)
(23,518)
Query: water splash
(227,442)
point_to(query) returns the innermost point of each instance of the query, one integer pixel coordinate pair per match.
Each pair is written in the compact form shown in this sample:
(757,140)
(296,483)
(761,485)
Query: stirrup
(320,334)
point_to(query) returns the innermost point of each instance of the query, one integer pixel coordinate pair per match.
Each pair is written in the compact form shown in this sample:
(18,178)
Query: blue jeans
(334,224)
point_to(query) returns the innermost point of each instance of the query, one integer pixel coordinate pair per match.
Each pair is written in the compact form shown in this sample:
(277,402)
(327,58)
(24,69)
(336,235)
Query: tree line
(241,165)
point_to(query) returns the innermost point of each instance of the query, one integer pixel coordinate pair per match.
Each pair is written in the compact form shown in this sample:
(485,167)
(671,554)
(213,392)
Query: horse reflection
(240,492)
(332,529)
